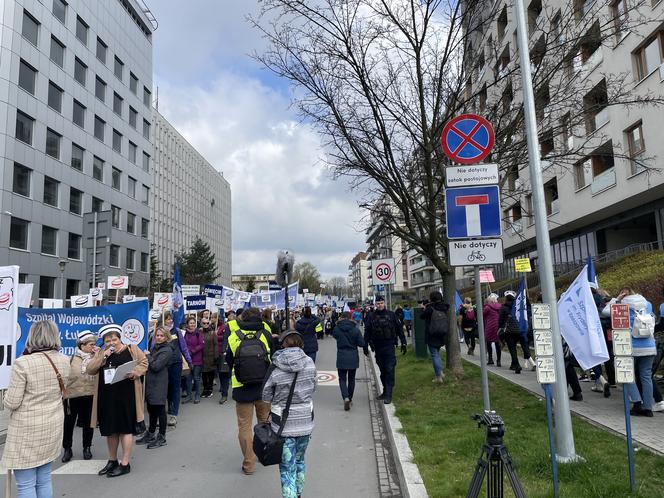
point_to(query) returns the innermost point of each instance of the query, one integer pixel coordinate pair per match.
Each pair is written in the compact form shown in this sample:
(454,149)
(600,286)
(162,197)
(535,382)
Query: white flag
(580,325)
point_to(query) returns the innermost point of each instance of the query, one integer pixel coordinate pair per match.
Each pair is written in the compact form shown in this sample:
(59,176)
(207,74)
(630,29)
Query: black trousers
(387,363)
(347,382)
(208,381)
(571,376)
(490,352)
(157,414)
(80,410)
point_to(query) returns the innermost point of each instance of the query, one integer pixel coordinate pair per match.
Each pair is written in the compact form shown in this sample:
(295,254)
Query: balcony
(601,118)
(604,180)
(515,227)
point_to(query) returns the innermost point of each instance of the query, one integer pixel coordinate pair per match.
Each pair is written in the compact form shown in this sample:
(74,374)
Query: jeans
(174,378)
(312,356)
(157,414)
(245,426)
(643,372)
(347,382)
(224,383)
(437,361)
(292,466)
(35,482)
(195,378)
(387,363)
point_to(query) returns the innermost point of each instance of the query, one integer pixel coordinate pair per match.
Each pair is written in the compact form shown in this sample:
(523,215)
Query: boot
(158,442)
(87,454)
(146,438)
(67,455)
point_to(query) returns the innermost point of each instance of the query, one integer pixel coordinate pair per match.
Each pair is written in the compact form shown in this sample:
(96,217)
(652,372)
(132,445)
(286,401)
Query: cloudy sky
(238,116)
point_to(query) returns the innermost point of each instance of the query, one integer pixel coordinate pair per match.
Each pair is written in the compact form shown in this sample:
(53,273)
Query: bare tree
(380,78)
(337,286)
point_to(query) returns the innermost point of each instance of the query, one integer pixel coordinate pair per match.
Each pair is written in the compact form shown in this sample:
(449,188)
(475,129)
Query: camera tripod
(495,459)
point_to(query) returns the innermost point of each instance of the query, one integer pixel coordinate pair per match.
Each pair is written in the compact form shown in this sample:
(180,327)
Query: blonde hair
(43,335)
(164,332)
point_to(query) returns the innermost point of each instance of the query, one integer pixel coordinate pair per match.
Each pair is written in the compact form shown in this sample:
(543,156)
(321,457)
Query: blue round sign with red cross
(467,139)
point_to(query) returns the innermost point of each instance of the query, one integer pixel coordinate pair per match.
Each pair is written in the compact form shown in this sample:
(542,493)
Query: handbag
(269,445)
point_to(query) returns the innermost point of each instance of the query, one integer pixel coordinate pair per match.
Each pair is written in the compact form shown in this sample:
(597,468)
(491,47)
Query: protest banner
(82,301)
(52,303)
(194,303)
(163,301)
(132,317)
(212,290)
(191,290)
(8,314)
(128,298)
(97,294)
(25,295)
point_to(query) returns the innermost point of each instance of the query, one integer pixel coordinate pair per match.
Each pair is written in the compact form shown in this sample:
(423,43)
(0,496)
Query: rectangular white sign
(543,342)
(546,372)
(622,342)
(624,369)
(191,290)
(476,252)
(467,176)
(52,303)
(82,301)
(541,316)
(118,282)
(162,300)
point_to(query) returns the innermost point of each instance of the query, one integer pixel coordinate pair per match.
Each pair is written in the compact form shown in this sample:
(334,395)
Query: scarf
(86,357)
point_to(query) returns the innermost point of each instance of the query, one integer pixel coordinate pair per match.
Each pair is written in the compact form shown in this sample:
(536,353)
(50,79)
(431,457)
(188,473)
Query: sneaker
(146,438)
(158,442)
(576,397)
(387,400)
(658,407)
(584,378)
(597,387)
(186,400)
(172,421)
(607,391)
(490,362)
(346,404)
(438,379)
(533,365)
(223,400)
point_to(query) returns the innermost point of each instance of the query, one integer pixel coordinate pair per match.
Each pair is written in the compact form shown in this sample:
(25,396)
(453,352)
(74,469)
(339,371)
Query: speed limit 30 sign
(382,272)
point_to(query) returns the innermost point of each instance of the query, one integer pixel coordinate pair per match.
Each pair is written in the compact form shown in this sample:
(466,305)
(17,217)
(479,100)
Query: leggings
(157,414)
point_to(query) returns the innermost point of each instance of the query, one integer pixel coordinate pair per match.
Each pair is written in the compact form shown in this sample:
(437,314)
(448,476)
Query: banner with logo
(83,301)
(96,293)
(8,315)
(118,282)
(162,301)
(132,317)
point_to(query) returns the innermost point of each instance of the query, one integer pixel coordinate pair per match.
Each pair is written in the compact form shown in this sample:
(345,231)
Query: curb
(412,484)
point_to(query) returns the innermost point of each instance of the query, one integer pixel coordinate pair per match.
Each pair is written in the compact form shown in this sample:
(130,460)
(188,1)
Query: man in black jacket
(438,338)
(382,328)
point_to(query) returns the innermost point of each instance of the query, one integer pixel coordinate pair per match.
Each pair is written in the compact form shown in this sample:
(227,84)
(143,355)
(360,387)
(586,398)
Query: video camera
(495,427)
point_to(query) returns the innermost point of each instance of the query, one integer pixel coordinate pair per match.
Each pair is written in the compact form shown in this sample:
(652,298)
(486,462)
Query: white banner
(130,298)
(25,295)
(82,301)
(118,282)
(97,294)
(8,321)
(580,325)
(162,300)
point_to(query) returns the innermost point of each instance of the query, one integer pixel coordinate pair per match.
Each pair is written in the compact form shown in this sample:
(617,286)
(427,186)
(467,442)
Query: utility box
(418,330)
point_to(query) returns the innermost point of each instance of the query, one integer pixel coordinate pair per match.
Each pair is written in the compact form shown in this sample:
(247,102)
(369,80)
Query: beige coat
(98,361)
(79,383)
(36,417)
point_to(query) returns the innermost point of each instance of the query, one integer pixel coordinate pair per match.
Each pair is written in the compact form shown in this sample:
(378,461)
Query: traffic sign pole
(480,329)
(564,434)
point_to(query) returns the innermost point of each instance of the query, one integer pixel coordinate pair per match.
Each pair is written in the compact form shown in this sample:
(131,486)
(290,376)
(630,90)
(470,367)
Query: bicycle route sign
(476,252)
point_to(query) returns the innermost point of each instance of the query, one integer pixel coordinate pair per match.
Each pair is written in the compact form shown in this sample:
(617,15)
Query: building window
(636,147)
(596,107)
(131,223)
(620,13)
(145,195)
(551,197)
(145,261)
(18,233)
(118,68)
(77,157)
(55,96)
(115,216)
(131,187)
(57,53)
(21,184)
(81,30)
(100,89)
(51,191)
(529,214)
(650,56)
(117,141)
(133,83)
(30,29)
(102,50)
(512,219)
(49,244)
(78,115)
(145,228)
(100,128)
(75,201)
(80,71)
(114,256)
(130,259)
(46,287)
(117,104)
(27,76)
(146,162)
(24,126)
(147,97)
(74,246)
(133,117)
(60,10)
(97,205)
(146,129)
(72,287)
(132,152)
(116,177)
(98,169)
(53,140)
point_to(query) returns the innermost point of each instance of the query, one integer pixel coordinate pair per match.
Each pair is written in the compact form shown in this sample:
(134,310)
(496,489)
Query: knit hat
(85,336)
(111,327)
(510,293)
(380,299)
(287,333)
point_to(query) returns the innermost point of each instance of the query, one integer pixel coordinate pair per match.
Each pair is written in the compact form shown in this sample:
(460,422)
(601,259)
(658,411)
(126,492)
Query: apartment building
(359,278)
(381,245)
(191,199)
(612,195)
(75,139)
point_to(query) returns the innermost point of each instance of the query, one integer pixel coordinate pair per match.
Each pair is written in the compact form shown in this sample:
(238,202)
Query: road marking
(81,467)
(327,378)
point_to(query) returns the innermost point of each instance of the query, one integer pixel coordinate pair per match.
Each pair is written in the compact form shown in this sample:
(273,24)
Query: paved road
(203,458)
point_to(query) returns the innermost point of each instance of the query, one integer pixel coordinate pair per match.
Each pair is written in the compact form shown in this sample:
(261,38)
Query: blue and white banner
(195,303)
(132,317)
(580,325)
(520,308)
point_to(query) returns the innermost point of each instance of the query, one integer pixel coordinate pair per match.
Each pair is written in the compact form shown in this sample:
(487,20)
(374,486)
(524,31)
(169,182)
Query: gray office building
(76,77)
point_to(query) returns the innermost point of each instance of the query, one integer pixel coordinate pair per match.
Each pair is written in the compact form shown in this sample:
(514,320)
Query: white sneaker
(658,407)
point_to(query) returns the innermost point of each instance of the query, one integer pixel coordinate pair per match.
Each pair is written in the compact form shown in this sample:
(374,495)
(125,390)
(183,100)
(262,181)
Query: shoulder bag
(61,383)
(269,445)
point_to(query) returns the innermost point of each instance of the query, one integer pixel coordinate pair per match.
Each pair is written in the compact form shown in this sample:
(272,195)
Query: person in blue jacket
(348,338)
(408,318)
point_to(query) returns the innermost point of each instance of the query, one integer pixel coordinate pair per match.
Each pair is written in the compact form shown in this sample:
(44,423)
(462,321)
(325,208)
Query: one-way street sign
(473,212)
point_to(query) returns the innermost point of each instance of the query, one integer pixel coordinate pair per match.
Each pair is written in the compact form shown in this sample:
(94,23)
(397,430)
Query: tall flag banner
(178,304)
(520,308)
(580,325)
(8,314)
(592,274)
(457,300)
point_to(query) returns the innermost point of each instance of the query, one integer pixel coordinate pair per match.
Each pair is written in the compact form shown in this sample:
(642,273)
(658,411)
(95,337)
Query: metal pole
(286,303)
(94,252)
(630,446)
(480,329)
(62,284)
(564,435)
(552,443)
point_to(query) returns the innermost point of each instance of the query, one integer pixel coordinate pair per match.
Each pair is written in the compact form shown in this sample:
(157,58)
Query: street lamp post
(62,263)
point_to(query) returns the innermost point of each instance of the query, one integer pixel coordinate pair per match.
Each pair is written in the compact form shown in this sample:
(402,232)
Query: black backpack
(439,326)
(382,327)
(252,358)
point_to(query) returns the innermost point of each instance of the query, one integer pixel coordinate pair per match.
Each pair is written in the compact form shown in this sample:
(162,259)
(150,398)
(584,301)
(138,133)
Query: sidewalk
(607,413)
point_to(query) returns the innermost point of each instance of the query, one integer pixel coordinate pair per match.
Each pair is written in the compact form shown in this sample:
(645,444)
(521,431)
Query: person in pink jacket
(195,344)
(491,312)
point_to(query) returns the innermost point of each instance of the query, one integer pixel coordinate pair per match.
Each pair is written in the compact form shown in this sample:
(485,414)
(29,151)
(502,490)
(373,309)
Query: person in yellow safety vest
(248,356)
(309,326)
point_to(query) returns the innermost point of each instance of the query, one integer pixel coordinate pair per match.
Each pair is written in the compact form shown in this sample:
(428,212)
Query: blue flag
(592,274)
(520,307)
(178,305)
(457,300)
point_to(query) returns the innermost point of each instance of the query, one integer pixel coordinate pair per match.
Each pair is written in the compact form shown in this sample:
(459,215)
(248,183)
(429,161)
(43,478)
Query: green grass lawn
(446,443)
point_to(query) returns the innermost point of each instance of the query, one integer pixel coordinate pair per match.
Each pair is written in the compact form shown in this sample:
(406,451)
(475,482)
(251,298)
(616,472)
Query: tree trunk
(453,350)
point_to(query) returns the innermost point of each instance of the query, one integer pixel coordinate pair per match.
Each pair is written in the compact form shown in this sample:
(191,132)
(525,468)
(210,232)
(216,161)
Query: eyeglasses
(205,323)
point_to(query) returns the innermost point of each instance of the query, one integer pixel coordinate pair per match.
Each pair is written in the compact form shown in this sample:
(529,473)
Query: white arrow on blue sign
(473,212)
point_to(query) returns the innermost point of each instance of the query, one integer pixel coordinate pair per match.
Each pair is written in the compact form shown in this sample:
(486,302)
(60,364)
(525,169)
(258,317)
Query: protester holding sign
(34,400)
(118,404)
(80,390)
